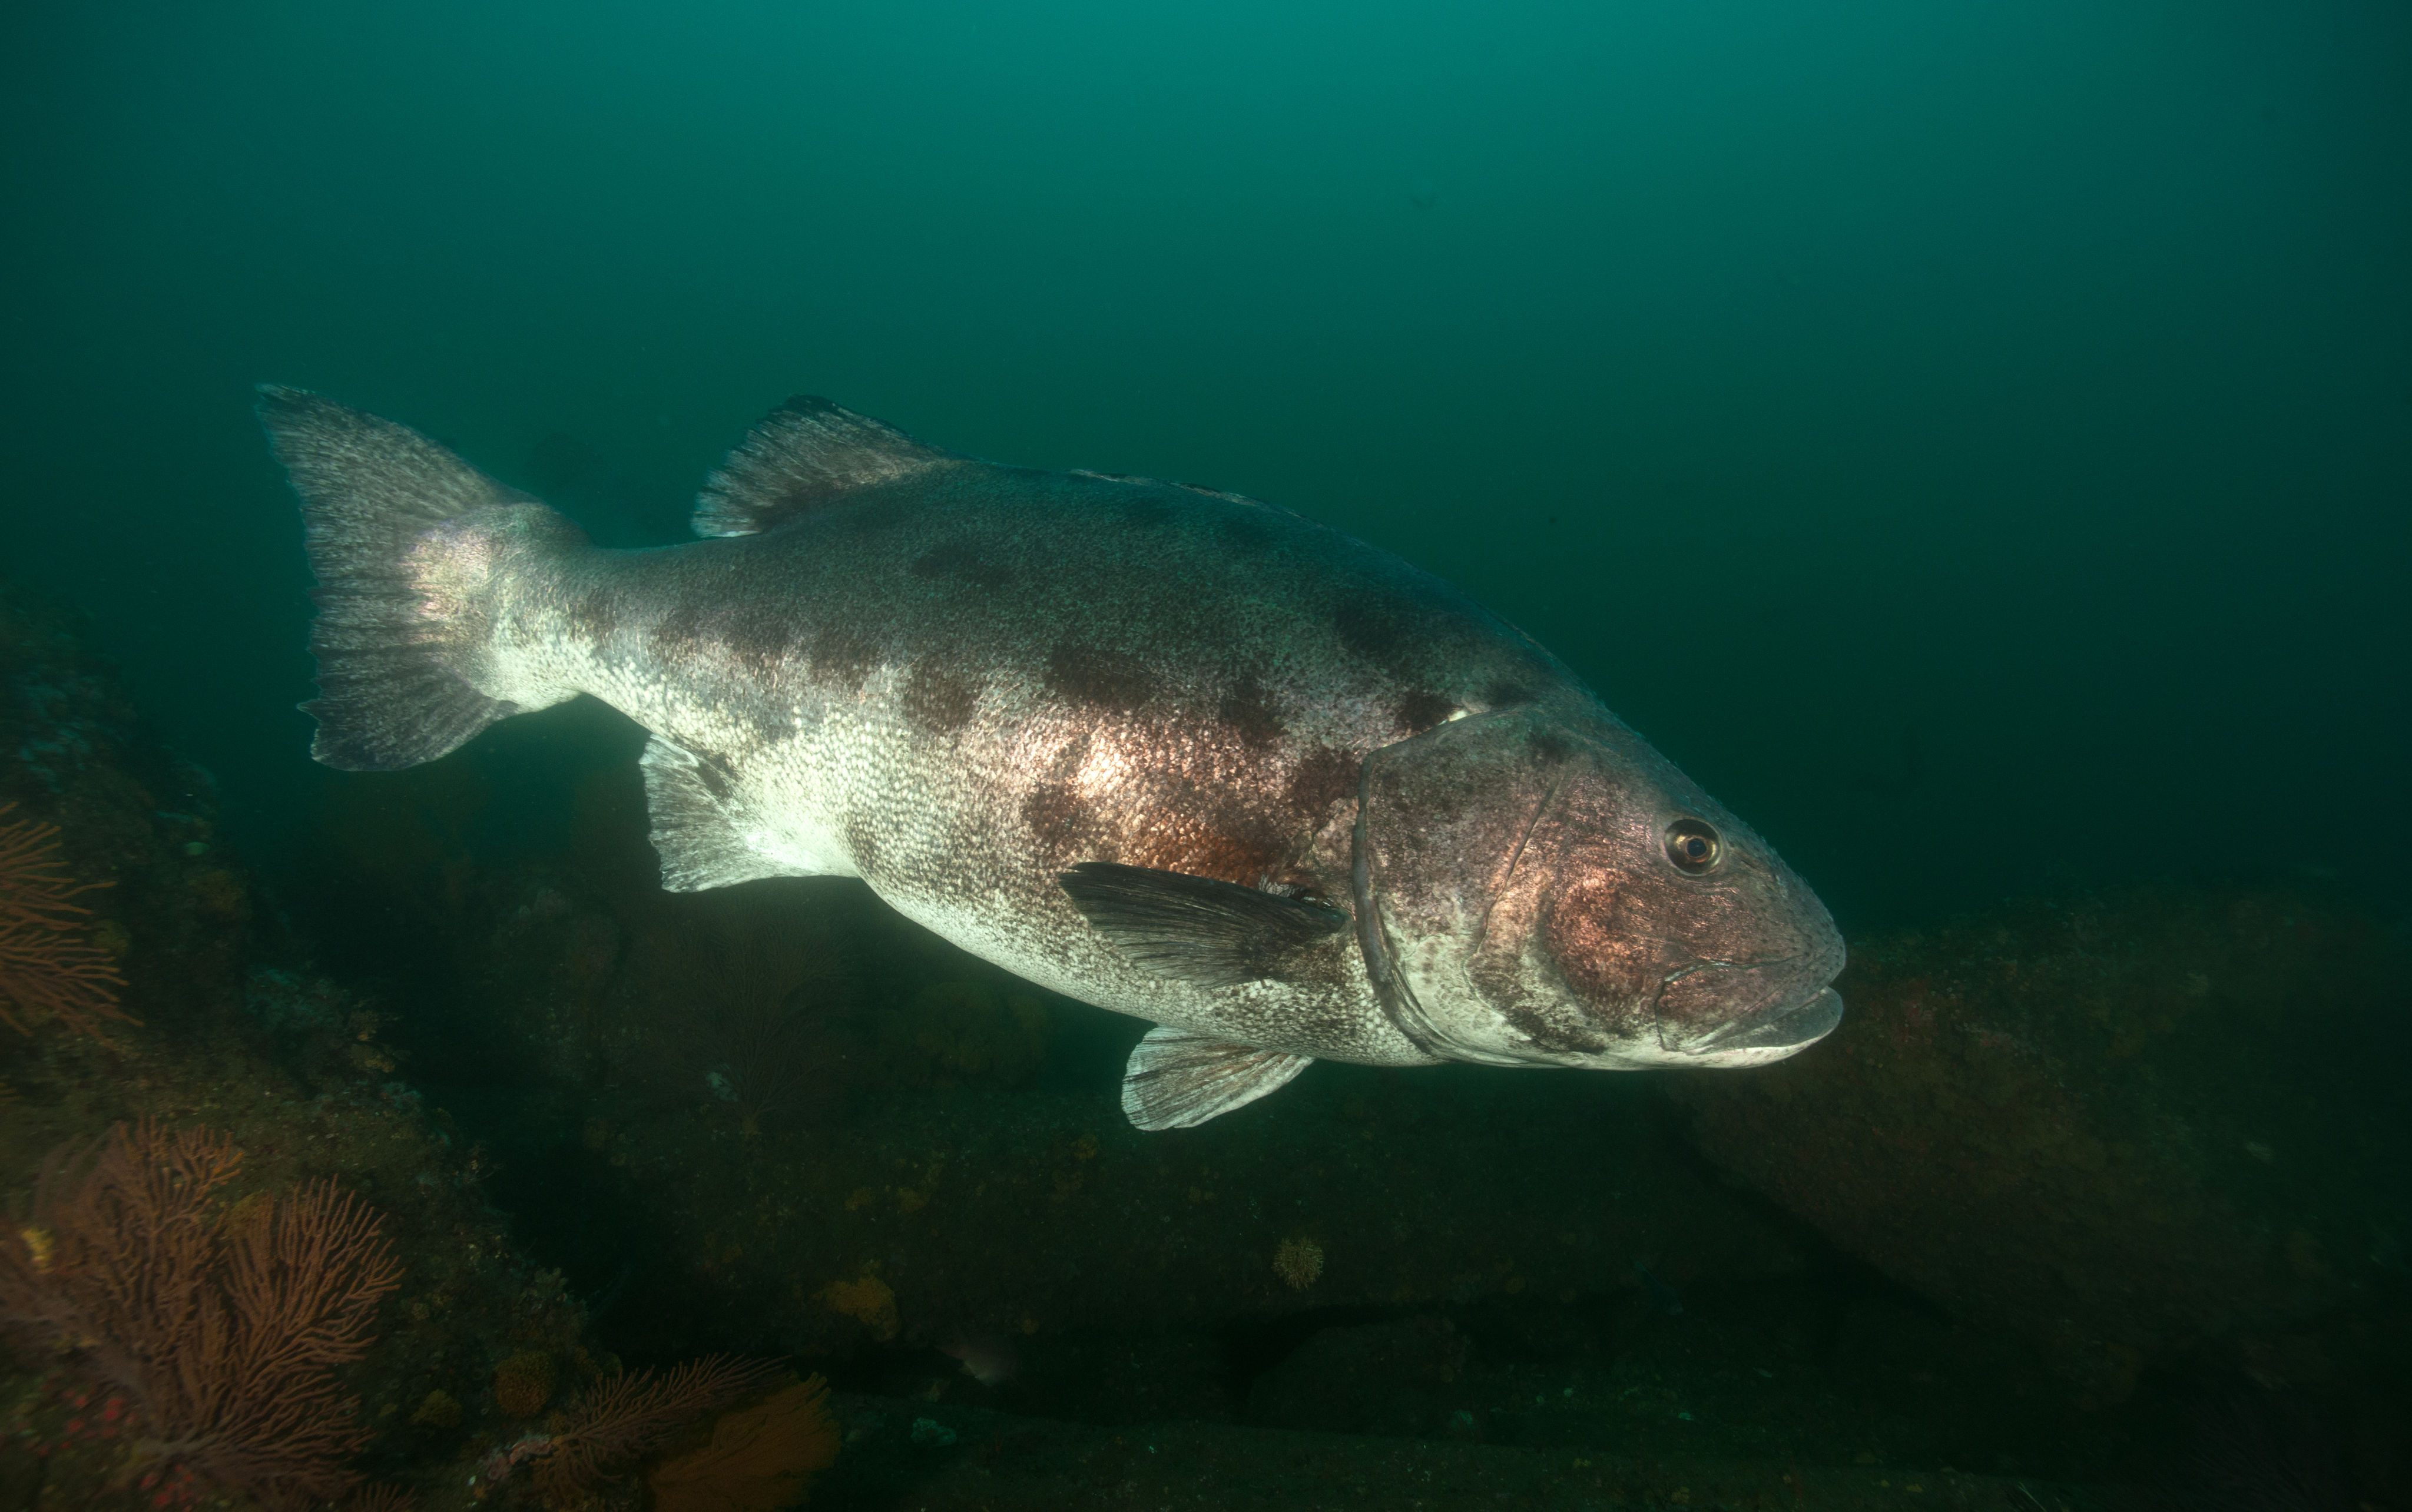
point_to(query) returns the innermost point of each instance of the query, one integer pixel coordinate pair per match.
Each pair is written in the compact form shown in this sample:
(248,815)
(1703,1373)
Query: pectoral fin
(1196,929)
(1178,1080)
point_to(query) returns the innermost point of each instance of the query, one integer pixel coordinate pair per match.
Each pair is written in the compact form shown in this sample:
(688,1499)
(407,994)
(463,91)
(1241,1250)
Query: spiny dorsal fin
(1178,1080)
(1224,494)
(805,452)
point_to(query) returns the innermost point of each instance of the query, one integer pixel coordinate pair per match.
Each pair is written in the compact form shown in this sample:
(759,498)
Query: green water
(2022,385)
(1973,441)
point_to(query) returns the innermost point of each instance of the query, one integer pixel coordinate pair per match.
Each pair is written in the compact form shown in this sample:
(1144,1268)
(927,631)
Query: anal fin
(1178,1080)
(701,828)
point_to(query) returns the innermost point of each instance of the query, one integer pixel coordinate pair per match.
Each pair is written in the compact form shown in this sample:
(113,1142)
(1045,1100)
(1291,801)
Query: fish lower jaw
(1771,1037)
(1645,1056)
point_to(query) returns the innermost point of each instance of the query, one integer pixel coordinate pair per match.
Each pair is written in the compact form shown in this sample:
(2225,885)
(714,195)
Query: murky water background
(1972,442)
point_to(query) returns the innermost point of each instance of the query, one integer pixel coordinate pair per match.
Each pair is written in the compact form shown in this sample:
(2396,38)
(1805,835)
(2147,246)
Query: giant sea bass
(1174,751)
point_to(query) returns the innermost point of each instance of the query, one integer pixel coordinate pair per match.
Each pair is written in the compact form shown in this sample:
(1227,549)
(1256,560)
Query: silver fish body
(1173,751)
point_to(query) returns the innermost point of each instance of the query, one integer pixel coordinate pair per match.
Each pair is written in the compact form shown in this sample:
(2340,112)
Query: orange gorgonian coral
(48,967)
(626,1417)
(222,1326)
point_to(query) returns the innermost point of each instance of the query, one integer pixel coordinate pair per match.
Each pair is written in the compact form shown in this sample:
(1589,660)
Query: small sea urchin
(1299,1262)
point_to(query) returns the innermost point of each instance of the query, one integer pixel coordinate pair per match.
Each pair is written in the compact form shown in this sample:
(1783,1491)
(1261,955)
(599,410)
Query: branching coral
(222,1328)
(627,1416)
(47,968)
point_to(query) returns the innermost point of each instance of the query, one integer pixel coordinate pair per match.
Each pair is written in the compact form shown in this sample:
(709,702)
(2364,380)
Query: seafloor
(2095,1200)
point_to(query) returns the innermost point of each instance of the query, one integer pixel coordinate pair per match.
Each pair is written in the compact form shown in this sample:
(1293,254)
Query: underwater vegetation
(765,1452)
(211,1328)
(249,1265)
(49,968)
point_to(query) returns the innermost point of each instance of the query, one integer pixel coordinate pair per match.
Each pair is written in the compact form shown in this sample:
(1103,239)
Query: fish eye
(1693,847)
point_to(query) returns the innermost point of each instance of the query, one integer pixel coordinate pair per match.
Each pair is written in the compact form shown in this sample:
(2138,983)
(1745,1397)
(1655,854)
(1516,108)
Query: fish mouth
(1701,1020)
(1783,1033)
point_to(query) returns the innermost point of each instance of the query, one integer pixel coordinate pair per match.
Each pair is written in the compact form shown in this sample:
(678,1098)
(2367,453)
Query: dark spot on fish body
(713,774)
(1102,679)
(678,634)
(1245,531)
(864,512)
(1249,711)
(1552,747)
(962,562)
(1205,828)
(938,699)
(1324,776)
(1368,629)
(1201,850)
(1505,693)
(840,654)
(1396,792)
(1143,508)
(757,636)
(592,616)
(1064,825)
(1398,636)
(1423,710)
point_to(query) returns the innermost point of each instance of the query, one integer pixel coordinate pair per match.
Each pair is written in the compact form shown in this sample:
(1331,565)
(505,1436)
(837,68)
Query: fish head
(1533,889)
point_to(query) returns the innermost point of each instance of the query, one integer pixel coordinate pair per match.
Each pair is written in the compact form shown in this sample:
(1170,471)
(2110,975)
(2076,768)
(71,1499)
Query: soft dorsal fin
(805,452)
(1224,494)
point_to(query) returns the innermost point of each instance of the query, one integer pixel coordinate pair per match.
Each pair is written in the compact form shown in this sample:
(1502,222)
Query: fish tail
(414,553)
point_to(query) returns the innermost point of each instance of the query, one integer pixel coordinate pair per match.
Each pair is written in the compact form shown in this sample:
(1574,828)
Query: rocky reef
(247,1262)
(2078,1183)
(2154,1131)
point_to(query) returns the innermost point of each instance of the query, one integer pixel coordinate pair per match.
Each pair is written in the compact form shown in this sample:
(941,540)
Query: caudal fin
(402,536)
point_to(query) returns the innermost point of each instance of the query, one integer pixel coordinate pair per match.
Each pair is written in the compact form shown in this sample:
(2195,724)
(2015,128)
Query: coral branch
(624,1417)
(222,1330)
(26,854)
(47,968)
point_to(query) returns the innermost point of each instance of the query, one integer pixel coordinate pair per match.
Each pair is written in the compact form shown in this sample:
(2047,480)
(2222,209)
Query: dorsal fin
(804,453)
(1225,494)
